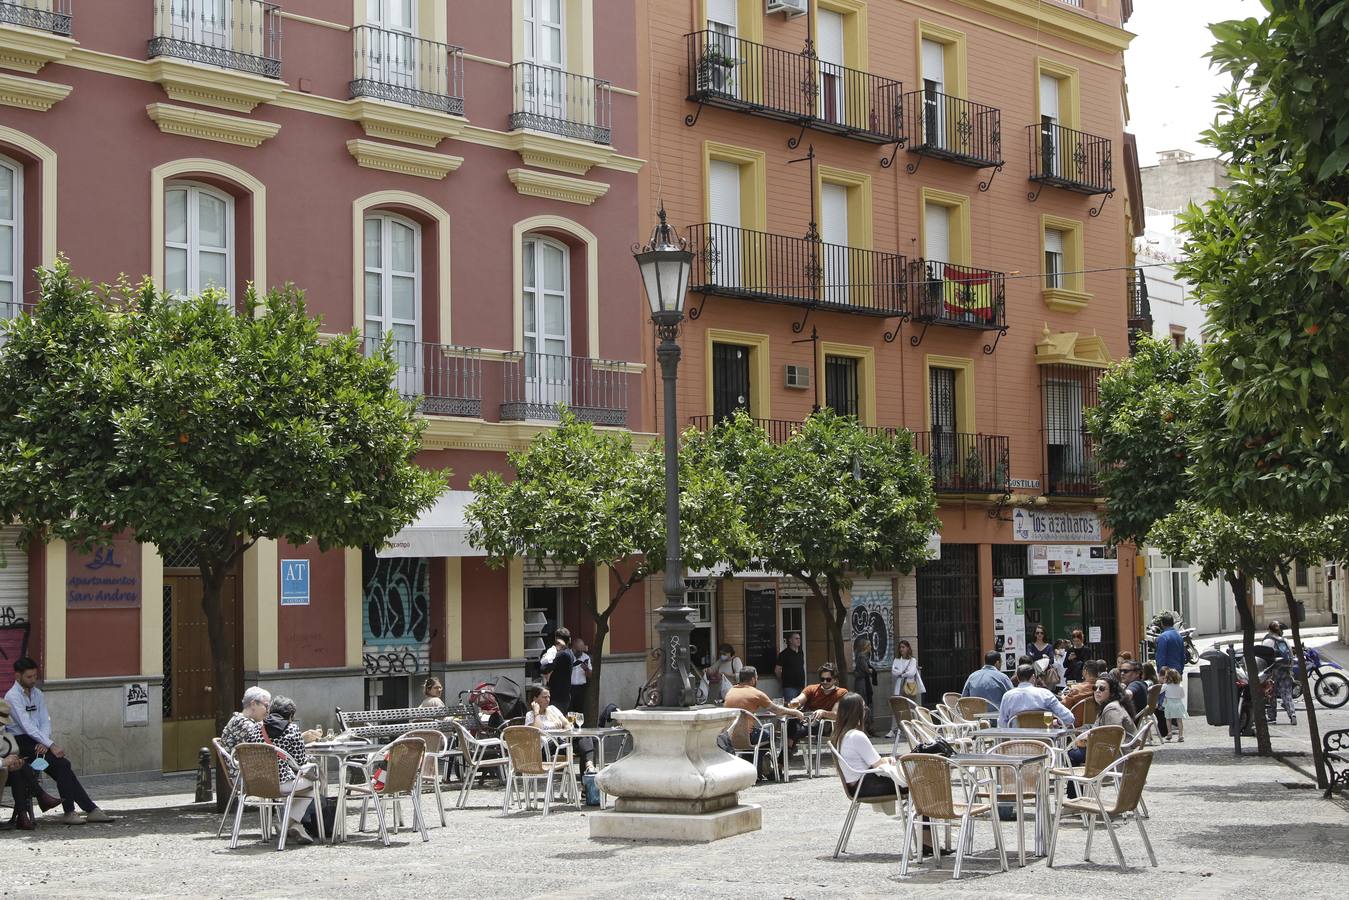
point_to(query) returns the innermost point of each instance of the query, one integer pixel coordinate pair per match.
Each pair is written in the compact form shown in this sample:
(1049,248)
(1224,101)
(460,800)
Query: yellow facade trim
(548,186)
(954,58)
(1071,295)
(310,20)
(859,203)
(353,608)
(28,49)
(30,93)
(402,160)
(152,611)
(866,357)
(592,251)
(1071,348)
(54,611)
(359,207)
(548,151)
(209,126)
(760,367)
(965,394)
(959,230)
(856,35)
(160,175)
(395,122)
(212,86)
(753,192)
(260,606)
(458,433)
(515,607)
(602,595)
(454,608)
(1070,103)
(578,20)
(431,20)
(46,158)
(1057,20)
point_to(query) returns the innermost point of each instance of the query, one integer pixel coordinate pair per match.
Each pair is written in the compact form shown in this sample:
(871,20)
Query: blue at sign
(294,582)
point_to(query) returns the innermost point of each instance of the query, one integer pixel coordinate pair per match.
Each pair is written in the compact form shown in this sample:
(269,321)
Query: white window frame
(406,357)
(393,55)
(544,92)
(15,278)
(1054,269)
(189,21)
(553,386)
(192,245)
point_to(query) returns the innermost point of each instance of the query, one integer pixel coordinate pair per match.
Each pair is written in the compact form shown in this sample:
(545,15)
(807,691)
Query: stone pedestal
(677,784)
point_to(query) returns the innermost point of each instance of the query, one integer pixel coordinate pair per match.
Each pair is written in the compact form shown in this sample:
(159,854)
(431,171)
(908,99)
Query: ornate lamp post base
(677,784)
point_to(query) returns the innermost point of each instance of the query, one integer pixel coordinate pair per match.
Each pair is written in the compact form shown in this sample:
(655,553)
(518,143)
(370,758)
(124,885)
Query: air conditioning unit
(791,8)
(798,376)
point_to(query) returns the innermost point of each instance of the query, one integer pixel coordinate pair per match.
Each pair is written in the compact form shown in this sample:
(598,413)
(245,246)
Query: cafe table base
(993,762)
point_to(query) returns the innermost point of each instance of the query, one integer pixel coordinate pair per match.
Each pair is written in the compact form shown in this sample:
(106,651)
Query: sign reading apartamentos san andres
(1037,525)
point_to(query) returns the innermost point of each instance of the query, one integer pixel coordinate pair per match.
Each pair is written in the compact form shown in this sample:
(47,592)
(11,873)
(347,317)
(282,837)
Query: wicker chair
(1137,742)
(932,799)
(1129,775)
(1149,712)
(437,748)
(260,785)
(402,778)
(768,739)
(970,708)
(524,748)
(231,772)
(1033,718)
(950,698)
(855,802)
(1086,711)
(1103,748)
(924,714)
(1010,791)
(902,710)
(475,753)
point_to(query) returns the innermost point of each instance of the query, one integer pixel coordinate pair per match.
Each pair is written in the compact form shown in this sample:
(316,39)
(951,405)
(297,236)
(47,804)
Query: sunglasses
(826,680)
(1102,687)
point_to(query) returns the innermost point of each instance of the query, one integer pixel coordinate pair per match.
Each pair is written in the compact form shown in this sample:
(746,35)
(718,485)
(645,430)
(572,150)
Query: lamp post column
(674,628)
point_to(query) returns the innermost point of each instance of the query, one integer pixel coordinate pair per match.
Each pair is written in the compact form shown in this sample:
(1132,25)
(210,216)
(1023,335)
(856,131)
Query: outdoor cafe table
(1058,737)
(815,741)
(599,734)
(990,716)
(343,753)
(993,761)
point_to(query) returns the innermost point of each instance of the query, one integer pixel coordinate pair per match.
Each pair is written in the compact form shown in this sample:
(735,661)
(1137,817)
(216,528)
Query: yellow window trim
(960,234)
(454,608)
(1070,111)
(46,158)
(54,612)
(260,593)
(855,32)
(578,19)
(859,201)
(160,176)
(1072,296)
(753,194)
(760,377)
(362,205)
(954,58)
(866,387)
(965,420)
(592,252)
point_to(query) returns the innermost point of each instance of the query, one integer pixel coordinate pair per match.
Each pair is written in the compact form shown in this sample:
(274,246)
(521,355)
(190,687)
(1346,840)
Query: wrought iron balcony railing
(391,65)
(1070,453)
(1140,308)
(953,129)
(536,384)
(797,87)
(973,463)
(756,265)
(39,15)
(443,379)
(549,99)
(1070,159)
(231,34)
(780,430)
(943,293)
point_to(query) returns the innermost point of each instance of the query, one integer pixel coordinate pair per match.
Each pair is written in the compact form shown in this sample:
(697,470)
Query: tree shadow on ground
(1316,843)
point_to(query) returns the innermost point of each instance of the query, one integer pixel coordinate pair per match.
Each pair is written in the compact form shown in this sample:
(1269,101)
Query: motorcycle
(1155,629)
(1266,660)
(1326,678)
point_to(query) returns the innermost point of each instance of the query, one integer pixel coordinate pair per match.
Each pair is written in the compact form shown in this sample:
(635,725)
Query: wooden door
(189,682)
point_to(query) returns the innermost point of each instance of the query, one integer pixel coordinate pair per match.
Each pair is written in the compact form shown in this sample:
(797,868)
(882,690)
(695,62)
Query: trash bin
(1219,683)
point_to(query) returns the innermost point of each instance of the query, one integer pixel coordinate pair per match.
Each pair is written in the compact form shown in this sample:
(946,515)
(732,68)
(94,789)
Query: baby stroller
(497,701)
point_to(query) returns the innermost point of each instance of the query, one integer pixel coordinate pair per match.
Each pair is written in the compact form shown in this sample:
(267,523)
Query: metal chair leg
(1147,844)
(1114,840)
(381,818)
(234,796)
(284,827)
(960,844)
(238,823)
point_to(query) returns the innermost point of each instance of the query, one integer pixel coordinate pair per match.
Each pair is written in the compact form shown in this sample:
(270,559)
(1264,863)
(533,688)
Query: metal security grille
(840,385)
(1098,611)
(942,400)
(1070,455)
(167,700)
(1009,561)
(730,380)
(948,618)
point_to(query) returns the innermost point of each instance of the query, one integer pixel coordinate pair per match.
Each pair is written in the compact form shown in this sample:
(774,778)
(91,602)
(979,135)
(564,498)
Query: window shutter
(937,232)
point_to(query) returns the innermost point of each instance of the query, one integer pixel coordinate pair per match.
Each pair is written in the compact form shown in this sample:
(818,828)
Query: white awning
(440,531)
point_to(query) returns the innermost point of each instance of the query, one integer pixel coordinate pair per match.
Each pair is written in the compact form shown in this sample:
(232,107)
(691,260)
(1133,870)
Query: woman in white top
(723,674)
(906,672)
(546,717)
(434,692)
(855,752)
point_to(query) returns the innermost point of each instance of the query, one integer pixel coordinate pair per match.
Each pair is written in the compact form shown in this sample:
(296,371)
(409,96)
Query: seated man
(745,731)
(821,699)
(21,778)
(988,682)
(1131,676)
(1026,697)
(32,731)
(1094,669)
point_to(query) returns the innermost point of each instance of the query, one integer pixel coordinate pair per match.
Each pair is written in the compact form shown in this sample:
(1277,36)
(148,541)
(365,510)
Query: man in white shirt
(32,730)
(1026,697)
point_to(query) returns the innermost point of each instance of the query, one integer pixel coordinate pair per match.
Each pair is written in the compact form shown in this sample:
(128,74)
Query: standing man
(580,674)
(1170,645)
(791,668)
(32,730)
(559,670)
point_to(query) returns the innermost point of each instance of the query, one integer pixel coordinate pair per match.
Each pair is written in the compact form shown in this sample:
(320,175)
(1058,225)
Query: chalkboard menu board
(761,631)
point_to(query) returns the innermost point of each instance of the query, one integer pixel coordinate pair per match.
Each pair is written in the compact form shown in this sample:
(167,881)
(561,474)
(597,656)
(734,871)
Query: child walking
(1173,704)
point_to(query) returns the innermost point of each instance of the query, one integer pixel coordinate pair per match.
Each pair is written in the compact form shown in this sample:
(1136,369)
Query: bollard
(204,792)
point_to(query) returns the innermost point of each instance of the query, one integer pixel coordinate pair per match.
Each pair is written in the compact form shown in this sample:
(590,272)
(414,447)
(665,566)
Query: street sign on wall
(1055,525)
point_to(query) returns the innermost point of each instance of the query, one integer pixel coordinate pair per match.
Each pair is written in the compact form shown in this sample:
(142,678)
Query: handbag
(939,747)
(910,688)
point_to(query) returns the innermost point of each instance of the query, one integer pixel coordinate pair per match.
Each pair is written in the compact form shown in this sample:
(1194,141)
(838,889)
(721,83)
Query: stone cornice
(1062,21)
(28,50)
(548,151)
(1065,300)
(212,86)
(209,126)
(1072,348)
(446,433)
(556,187)
(403,160)
(404,123)
(29,93)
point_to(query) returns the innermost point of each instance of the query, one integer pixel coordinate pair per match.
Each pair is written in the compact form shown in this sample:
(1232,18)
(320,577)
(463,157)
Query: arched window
(546,305)
(11,237)
(198,239)
(393,278)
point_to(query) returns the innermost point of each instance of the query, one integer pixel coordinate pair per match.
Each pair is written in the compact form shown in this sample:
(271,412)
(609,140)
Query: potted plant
(716,68)
(973,474)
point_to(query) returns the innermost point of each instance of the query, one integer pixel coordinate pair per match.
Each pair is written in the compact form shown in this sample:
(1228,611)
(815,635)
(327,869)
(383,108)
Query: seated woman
(546,717)
(280,730)
(433,692)
(855,751)
(1116,709)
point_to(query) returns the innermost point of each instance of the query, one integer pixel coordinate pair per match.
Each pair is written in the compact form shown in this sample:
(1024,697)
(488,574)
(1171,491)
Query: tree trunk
(833,629)
(592,705)
(222,665)
(1313,728)
(837,615)
(1240,585)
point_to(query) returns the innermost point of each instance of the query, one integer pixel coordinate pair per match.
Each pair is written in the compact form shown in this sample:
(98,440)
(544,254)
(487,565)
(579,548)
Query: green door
(1056,603)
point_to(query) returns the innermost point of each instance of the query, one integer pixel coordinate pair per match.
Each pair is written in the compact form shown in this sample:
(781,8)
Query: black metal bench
(384,725)
(1335,751)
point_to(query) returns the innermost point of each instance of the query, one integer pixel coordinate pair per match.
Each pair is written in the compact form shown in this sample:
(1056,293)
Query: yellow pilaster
(260,606)
(602,600)
(454,609)
(353,606)
(152,611)
(515,608)
(54,612)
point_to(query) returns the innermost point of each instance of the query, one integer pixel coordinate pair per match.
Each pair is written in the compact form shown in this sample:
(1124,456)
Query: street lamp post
(665,263)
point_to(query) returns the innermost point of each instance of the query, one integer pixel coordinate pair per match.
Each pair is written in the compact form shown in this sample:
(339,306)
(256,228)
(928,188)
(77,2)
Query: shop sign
(107,577)
(1072,559)
(1047,525)
(294,582)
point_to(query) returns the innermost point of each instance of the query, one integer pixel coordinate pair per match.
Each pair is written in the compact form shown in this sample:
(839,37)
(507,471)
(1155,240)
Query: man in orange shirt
(747,696)
(821,698)
(1083,689)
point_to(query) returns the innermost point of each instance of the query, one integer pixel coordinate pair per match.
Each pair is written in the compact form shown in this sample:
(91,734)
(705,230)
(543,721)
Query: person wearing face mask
(723,674)
(1283,673)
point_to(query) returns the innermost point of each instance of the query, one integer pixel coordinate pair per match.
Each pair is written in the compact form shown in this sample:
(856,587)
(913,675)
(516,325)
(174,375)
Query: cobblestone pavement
(1220,825)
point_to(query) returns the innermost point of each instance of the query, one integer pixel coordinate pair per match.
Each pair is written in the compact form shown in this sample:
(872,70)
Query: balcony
(795,87)
(775,268)
(1066,158)
(557,102)
(442,379)
(400,68)
(40,15)
(1140,309)
(942,293)
(968,463)
(1070,453)
(242,35)
(535,384)
(956,130)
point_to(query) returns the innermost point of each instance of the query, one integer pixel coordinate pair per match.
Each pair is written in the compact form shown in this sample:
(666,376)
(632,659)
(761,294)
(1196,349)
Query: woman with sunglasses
(1116,709)
(1039,647)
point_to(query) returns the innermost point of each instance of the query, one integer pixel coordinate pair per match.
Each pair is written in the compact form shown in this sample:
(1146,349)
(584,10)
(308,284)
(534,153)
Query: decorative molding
(446,433)
(1065,300)
(404,123)
(1072,348)
(209,126)
(617,365)
(310,20)
(1062,21)
(28,50)
(212,86)
(561,154)
(403,160)
(29,93)
(556,187)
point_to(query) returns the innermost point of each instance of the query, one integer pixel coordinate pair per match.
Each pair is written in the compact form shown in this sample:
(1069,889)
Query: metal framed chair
(232,773)
(1128,775)
(970,708)
(745,748)
(477,757)
(1033,718)
(1086,711)
(902,710)
(402,778)
(950,698)
(437,749)
(855,801)
(1008,790)
(525,750)
(260,785)
(933,785)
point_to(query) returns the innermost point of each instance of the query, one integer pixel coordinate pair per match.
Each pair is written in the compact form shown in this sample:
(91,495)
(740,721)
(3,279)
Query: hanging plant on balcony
(973,473)
(716,70)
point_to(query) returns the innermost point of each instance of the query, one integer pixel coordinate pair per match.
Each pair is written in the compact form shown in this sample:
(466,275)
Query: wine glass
(580,719)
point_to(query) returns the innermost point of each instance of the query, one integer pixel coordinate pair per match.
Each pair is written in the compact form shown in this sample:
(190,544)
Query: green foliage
(1269,258)
(180,420)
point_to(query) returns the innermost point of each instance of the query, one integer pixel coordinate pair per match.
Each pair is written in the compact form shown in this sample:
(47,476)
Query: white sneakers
(97,815)
(71,818)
